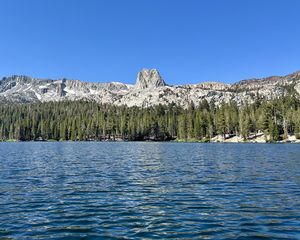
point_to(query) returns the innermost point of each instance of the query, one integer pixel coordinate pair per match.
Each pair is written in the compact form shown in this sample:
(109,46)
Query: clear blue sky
(189,41)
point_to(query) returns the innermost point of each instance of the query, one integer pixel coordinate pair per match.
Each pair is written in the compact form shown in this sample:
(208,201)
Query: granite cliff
(150,89)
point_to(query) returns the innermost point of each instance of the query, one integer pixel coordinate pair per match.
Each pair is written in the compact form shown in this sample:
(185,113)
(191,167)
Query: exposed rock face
(149,79)
(150,89)
(297,88)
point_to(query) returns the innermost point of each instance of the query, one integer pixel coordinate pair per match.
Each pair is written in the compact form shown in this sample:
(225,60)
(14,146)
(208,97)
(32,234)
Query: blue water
(149,191)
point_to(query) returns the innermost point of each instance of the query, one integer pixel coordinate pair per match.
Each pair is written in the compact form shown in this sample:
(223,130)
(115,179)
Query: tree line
(84,121)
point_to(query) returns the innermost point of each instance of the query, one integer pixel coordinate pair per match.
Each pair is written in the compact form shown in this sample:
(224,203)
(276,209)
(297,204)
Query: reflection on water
(149,190)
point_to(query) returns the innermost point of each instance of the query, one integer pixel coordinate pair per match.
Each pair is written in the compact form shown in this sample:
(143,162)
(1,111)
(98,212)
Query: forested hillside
(78,121)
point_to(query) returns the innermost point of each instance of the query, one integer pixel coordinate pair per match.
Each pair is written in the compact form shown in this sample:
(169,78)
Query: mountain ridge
(150,89)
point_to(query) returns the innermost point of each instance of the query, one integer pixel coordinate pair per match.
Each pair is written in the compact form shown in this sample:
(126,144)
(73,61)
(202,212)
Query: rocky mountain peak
(149,78)
(148,91)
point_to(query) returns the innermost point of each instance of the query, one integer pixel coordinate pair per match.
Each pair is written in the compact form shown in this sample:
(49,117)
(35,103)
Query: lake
(143,190)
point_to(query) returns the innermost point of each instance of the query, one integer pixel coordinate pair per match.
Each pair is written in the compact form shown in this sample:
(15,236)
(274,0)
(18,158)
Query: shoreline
(216,139)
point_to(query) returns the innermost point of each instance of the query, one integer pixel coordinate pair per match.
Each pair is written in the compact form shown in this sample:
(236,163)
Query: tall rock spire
(149,78)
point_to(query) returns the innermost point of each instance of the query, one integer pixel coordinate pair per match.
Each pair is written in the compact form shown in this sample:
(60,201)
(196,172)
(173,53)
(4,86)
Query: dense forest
(86,121)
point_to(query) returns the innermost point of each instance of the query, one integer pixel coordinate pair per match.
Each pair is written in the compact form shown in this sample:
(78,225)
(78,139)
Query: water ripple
(149,191)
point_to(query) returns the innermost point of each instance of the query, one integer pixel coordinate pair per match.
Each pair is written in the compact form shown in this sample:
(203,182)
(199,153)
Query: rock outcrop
(150,89)
(149,79)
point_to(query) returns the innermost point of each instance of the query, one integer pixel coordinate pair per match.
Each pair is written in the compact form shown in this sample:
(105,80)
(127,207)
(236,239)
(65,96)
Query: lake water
(136,190)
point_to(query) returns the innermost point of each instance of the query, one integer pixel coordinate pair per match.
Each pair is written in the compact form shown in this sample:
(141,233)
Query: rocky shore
(217,139)
(257,138)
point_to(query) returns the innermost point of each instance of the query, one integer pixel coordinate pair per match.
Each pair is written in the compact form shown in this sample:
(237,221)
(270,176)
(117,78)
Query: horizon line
(200,82)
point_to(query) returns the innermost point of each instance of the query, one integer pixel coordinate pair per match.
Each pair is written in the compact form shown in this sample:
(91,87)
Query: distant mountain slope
(150,89)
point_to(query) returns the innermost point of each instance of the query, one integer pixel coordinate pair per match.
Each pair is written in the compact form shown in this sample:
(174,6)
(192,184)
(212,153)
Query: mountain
(149,79)
(150,89)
